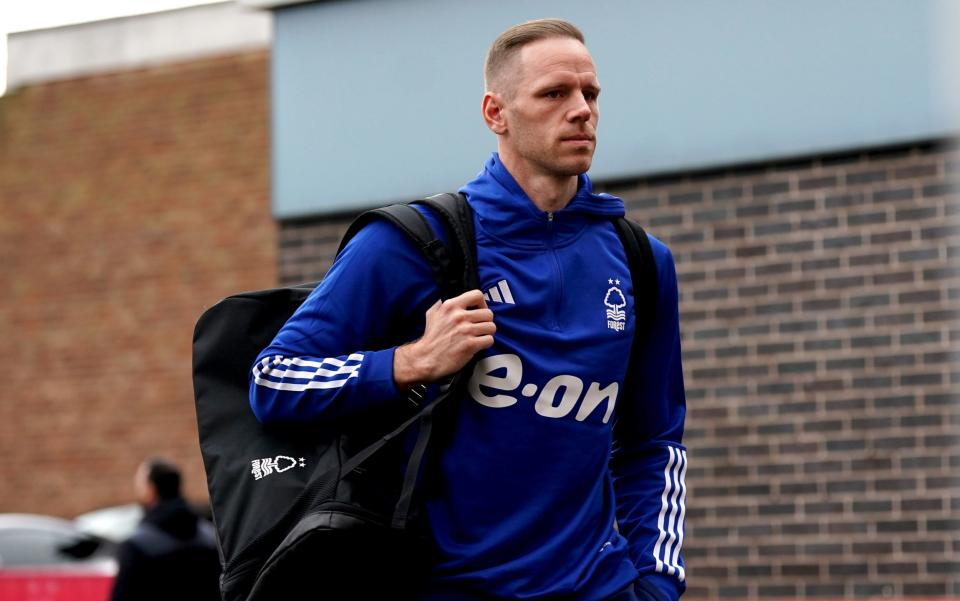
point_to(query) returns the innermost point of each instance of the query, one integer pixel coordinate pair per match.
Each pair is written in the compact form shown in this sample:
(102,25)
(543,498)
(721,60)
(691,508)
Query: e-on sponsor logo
(547,404)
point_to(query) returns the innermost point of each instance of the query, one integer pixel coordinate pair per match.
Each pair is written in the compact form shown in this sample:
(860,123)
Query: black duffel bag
(311,511)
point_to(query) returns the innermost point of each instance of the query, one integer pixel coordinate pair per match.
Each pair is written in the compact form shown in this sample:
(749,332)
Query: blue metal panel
(379,100)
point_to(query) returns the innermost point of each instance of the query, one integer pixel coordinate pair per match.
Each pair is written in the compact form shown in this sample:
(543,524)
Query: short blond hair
(509,43)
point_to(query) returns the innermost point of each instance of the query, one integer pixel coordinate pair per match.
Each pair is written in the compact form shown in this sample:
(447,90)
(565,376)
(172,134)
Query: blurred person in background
(172,554)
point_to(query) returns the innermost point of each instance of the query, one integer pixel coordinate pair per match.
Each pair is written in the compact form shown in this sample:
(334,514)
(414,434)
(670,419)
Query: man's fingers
(470,298)
(484,342)
(483,328)
(469,306)
(477,344)
(480,315)
(483,301)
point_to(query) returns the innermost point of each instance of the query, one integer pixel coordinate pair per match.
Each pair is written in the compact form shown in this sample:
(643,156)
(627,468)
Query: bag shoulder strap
(409,221)
(643,271)
(454,266)
(456,218)
(643,274)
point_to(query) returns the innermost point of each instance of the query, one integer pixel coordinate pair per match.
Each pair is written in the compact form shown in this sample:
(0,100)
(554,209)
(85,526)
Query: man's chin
(580,160)
(568,166)
(579,166)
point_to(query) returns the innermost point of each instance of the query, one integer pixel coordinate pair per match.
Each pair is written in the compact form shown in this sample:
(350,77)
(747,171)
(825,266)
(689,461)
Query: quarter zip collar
(506,212)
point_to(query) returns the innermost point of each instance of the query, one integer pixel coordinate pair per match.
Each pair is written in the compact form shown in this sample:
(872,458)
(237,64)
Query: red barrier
(51,586)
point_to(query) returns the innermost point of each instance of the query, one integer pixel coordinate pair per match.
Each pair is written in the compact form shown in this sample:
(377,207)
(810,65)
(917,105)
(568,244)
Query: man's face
(144,489)
(550,108)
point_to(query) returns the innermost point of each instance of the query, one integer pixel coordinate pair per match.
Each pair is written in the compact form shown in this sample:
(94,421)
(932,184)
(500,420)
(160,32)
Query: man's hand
(456,329)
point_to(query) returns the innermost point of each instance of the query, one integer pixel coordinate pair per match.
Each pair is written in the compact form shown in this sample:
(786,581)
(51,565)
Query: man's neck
(550,193)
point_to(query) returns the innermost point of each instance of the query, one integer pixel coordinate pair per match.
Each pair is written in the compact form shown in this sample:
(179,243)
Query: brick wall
(128,203)
(819,314)
(819,311)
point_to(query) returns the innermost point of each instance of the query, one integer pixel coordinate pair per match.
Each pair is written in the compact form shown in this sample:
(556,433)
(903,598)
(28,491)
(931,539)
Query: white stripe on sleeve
(673,510)
(664,503)
(675,493)
(270,373)
(675,559)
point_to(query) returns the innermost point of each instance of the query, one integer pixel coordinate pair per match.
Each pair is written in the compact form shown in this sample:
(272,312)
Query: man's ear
(493,114)
(152,495)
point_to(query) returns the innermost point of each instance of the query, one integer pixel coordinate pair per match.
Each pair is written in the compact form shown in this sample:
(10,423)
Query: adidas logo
(499,294)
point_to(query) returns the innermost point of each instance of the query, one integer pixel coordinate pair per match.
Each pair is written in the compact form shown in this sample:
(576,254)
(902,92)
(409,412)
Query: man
(172,554)
(528,502)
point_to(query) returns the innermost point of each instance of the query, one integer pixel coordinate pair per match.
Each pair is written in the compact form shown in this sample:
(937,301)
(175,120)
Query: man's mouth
(583,140)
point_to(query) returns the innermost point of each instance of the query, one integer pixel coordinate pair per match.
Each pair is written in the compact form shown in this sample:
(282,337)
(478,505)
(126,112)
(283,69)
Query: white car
(114,524)
(50,559)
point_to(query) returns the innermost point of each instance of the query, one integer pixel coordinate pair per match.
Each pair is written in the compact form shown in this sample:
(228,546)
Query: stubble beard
(567,166)
(553,160)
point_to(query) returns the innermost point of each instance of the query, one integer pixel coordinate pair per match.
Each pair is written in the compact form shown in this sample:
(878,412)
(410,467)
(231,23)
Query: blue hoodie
(533,499)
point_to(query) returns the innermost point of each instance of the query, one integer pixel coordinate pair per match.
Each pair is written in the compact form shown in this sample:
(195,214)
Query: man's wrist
(406,373)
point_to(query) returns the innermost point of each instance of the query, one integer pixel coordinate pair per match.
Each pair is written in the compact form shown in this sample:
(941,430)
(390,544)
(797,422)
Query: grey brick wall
(819,312)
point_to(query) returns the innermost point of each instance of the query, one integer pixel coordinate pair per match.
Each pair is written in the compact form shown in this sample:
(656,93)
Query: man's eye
(553,94)
(590,96)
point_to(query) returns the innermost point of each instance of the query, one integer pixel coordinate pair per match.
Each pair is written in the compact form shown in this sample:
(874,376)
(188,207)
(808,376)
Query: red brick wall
(819,309)
(129,202)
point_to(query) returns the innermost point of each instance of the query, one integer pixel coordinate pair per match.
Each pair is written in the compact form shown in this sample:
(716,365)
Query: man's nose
(580,111)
